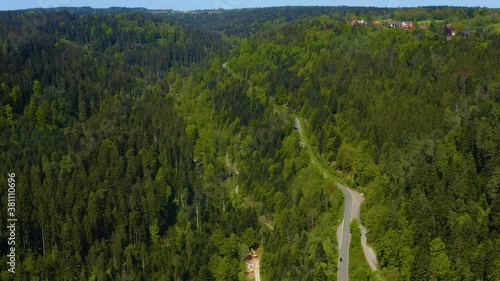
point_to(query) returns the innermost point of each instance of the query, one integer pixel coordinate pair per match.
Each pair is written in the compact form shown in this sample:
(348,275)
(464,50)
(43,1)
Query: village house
(407,25)
(402,24)
(394,24)
(449,30)
(465,33)
(353,22)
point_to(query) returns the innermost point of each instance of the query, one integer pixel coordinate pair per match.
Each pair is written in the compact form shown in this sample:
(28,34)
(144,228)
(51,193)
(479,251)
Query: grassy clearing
(495,26)
(429,21)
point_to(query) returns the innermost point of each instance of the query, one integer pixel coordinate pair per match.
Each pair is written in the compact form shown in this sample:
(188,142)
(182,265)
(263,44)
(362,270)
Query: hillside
(154,145)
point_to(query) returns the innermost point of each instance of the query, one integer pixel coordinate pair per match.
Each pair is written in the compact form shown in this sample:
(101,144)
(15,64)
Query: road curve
(357,199)
(353,200)
(343,232)
(345,236)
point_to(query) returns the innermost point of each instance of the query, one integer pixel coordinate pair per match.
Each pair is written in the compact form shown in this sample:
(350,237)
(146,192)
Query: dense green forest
(161,146)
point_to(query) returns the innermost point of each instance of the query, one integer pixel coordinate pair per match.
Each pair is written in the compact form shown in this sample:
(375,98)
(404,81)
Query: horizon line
(245,8)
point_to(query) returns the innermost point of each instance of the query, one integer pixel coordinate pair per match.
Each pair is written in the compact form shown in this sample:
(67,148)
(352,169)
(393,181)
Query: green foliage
(407,116)
(440,266)
(140,157)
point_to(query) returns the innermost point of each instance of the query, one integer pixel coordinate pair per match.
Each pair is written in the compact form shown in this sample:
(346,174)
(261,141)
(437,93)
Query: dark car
(341,259)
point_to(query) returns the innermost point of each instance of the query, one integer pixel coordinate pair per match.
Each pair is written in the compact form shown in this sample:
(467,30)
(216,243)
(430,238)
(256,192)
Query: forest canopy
(155,145)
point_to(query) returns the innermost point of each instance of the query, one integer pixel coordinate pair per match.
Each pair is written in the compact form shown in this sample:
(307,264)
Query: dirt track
(357,199)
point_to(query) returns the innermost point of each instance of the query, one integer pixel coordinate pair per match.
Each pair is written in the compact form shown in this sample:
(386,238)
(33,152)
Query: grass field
(429,21)
(495,26)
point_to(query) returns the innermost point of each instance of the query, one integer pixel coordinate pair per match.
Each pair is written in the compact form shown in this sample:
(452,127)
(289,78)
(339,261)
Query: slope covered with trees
(120,176)
(139,156)
(411,118)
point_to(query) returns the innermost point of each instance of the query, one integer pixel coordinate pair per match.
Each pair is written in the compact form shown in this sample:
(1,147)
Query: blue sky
(184,5)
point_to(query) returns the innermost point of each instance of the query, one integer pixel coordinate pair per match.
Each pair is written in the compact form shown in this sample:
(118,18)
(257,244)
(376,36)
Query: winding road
(353,200)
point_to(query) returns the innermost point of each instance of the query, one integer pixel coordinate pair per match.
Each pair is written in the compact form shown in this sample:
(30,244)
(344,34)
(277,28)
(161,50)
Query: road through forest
(351,210)
(353,200)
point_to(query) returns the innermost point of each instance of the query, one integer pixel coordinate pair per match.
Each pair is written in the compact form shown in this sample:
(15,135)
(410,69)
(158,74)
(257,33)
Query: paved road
(343,232)
(345,236)
(353,200)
